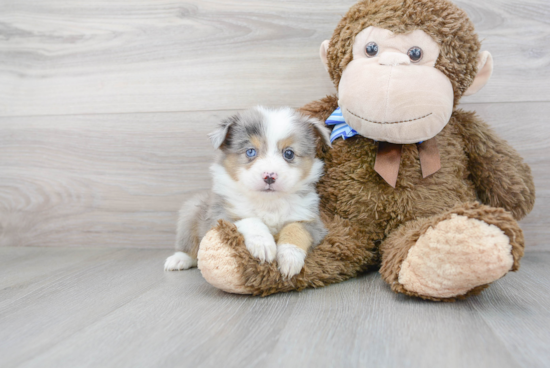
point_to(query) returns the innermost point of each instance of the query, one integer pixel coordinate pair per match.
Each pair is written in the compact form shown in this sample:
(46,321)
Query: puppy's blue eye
(288,154)
(251,153)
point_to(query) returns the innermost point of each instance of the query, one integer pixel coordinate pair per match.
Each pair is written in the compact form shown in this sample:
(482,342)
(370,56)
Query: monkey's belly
(352,189)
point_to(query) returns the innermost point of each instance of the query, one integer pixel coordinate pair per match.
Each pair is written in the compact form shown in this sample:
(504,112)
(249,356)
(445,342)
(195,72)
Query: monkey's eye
(251,153)
(288,154)
(415,54)
(371,49)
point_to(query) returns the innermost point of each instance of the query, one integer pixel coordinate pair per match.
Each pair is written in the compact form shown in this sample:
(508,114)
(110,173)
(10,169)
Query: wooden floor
(104,110)
(118,308)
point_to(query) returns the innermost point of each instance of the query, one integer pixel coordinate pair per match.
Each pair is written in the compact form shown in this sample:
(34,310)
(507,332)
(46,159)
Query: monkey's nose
(393,58)
(270,178)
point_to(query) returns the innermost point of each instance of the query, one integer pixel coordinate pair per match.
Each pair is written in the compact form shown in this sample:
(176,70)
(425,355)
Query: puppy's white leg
(290,259)
(179,261)
(257,238)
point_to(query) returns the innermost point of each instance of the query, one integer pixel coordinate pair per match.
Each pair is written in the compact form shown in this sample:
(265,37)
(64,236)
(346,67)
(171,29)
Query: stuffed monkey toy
(415,187)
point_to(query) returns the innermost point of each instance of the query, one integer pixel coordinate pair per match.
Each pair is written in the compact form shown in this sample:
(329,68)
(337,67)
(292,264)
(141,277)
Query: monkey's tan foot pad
(455,256)
(219,263)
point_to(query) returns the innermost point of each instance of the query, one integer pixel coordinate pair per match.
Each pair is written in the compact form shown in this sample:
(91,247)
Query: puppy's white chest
(273,213)
(274,221)
(277,213)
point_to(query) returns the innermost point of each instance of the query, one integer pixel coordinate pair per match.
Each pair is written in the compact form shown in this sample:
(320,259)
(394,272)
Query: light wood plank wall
(105,105)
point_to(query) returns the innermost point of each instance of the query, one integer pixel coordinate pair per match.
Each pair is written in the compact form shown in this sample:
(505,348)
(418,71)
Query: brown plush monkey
(426,191)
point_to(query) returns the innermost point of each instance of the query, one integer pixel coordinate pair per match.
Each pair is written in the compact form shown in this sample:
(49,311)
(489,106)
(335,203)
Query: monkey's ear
(484,71)
(323,53)
(320,130)
(218,136)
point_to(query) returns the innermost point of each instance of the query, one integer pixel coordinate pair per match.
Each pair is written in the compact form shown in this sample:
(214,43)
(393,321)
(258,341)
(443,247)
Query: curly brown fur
(501,177)
(322,108)
(342,255)
(396,247)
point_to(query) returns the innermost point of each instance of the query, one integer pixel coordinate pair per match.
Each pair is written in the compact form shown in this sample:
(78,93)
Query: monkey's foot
(456,256)
(219,262)
(453,255)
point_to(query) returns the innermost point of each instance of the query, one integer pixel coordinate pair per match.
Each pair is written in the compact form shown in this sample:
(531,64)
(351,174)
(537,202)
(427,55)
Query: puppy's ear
(320,130)
(220,135)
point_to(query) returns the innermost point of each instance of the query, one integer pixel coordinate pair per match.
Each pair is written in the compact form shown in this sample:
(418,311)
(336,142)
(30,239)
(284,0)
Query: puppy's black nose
(270,178)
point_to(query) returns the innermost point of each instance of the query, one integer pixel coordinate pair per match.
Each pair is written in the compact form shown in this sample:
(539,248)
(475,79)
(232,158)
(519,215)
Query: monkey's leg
(226,263)
(452,255)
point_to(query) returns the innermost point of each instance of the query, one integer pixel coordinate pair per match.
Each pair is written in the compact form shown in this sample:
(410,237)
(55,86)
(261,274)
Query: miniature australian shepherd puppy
(264,182)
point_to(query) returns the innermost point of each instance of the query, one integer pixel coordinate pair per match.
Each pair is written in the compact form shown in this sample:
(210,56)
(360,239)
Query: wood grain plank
(124,310)
(115,180)
(180,320)
(362,323)
(25,274)
(517,308)
(517,35)
(10,257)
(104,56)
(118,180)
(62,304)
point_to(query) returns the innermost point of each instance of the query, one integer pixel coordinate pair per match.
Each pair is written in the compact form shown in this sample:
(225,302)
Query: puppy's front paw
(258,239)
(290,259)
(179,261)
(261,246)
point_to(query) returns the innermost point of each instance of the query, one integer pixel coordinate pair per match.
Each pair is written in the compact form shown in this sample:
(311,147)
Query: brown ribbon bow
(388,159)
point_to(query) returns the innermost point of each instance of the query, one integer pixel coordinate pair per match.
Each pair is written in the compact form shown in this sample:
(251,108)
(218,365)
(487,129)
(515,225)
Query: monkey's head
(401,66)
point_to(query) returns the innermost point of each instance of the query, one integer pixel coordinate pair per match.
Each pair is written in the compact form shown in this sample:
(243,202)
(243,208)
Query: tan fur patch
(261,147)
(305,164)
(232,165)
(256,142)
(284,143)
(295,233)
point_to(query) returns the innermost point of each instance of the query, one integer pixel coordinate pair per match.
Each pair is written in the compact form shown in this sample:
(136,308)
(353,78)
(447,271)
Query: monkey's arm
(499,174)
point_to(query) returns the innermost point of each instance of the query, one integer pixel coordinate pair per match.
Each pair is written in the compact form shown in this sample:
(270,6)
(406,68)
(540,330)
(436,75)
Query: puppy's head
(270,150)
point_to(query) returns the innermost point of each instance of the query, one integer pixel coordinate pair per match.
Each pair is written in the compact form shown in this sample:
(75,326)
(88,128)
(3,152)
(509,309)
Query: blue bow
(341,129)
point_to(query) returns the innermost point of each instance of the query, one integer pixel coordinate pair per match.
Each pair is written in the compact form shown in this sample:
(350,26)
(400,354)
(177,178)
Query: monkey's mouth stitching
(394,122)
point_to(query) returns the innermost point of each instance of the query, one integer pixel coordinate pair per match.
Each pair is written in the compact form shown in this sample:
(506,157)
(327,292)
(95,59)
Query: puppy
(264,182)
